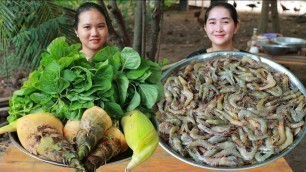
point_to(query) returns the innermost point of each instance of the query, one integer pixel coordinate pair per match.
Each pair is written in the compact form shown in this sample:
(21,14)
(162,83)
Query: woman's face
(92,31)
(220,27)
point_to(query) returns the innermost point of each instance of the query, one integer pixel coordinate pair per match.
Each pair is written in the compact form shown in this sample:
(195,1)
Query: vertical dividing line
(143,29)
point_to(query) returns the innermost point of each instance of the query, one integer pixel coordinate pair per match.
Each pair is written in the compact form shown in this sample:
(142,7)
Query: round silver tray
(124,156)
(294,82)
(117,159)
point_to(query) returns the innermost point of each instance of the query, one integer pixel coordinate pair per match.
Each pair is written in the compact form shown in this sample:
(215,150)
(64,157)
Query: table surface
(14,160)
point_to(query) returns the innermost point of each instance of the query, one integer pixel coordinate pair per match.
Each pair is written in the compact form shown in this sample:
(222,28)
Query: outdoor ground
(181,35)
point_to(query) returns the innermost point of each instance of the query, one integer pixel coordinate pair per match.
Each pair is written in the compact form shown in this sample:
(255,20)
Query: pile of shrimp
(229,112)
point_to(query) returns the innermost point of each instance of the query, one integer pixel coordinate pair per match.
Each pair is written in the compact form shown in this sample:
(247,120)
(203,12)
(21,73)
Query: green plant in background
(27,27)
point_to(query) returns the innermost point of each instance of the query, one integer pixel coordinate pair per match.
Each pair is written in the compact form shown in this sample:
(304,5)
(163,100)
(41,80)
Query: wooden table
(14,160)
(295,63)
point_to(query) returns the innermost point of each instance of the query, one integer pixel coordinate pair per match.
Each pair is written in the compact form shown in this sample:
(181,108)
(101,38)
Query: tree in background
(27,27)
(214,1)
(267,7)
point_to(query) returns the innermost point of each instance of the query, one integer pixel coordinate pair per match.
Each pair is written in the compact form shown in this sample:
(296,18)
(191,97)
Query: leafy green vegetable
(131,58)
(148,94)
(135,101)
(66,84)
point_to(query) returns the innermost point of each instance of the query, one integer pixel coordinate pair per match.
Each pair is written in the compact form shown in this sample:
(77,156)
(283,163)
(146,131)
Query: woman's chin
(96,47)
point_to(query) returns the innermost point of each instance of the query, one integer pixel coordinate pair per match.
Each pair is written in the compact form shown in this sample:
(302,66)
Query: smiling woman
(91,26)
(221,23)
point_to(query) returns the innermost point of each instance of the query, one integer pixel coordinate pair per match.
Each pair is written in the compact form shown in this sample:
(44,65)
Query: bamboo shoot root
(11,127)
(108,147)
(42,134)
(94,122)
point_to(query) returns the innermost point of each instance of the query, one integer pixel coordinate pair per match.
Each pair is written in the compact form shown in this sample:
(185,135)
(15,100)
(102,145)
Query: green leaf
(53,67)
(67,61)
(60,109)
(131,58)
(56,47)
(46,59)
(145,76)
(51,79)
(135,74)
(40,98)
(69,75)
(24,91)
(160,88)
(134,102)
(62,84)
(104,72)
(73,49)
(33,79)
(115,61)
(79,105)
(105,53)
(123,84)
(47,83)
(75,114)
(148,94)
(82,82)
(106,93)
(153,65)
(114,110)
(155,76)
(101,87)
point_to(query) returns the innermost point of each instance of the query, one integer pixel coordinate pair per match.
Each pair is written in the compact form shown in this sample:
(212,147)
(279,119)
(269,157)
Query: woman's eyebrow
(225,18)
(86,24)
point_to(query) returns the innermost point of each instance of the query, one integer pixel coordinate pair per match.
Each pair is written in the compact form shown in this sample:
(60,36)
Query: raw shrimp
(289,139)
(202,143)
(270,82)
(186,92)
(233,98)
(230,112)
(247,155)
(260,157)
(228,117)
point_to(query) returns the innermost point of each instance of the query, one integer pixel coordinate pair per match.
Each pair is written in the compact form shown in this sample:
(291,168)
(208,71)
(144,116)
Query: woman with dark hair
(91,26)
(221,23)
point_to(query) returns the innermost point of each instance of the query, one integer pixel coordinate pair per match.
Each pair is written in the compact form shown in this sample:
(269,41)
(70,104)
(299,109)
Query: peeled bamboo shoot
(140,136)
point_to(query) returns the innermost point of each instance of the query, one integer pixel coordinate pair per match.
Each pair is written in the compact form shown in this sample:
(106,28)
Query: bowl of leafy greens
(66,84)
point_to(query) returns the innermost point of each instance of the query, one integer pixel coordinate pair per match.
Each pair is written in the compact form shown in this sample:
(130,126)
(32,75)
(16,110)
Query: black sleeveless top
(203,51)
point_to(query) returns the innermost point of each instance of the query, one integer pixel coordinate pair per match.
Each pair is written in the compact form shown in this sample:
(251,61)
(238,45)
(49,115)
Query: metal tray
(117,159)
(124,156)
(294,82)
